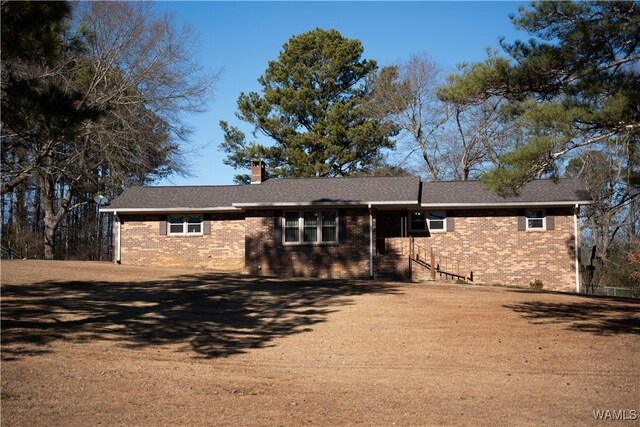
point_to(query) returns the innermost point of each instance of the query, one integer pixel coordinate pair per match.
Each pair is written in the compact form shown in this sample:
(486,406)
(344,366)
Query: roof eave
(329,203)
(169,210)
(506,204)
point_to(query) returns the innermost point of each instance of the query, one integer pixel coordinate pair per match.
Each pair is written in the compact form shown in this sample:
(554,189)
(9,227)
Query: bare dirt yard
(95,343)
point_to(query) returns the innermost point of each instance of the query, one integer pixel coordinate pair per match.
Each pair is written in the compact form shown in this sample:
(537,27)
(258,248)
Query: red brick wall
(223,249)
(347,259)
(487,242)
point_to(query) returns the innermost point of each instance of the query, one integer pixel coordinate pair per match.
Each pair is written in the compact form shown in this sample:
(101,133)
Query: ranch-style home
(366,227)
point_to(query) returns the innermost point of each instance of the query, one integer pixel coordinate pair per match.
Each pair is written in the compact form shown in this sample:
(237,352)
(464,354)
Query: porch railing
(436,263)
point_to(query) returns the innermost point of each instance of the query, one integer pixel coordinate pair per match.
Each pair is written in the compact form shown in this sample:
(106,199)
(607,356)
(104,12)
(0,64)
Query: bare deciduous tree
(134,75)
(405,94)
(474,138)
(450,140)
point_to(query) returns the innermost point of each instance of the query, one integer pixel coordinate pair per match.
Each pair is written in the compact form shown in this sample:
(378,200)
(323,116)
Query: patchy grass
(6,394)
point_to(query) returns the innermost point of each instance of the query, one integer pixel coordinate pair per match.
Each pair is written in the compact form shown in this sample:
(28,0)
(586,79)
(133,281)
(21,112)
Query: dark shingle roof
(461,193)
(177,197)
(362,190)
(273,192)
(343,191)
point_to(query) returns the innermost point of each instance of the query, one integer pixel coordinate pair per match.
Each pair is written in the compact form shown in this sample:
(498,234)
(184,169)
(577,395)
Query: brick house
(366,227)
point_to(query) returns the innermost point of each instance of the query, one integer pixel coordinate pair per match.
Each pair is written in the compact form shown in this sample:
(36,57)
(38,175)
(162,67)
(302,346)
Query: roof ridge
(564,178)
(337,177)
(193,186)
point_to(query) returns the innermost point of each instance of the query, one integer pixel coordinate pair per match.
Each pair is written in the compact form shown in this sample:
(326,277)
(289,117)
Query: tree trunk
(52,215)
(631,172)
(49,237)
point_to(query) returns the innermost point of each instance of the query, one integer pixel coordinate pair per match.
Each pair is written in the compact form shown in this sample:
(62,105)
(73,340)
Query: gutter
(505,204)
(370,242)
(329,203)
(119,241)
(239,207)
(162,210)
(576,246)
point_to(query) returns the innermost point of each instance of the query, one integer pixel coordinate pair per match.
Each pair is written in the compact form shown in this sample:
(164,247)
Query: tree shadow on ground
(214,315)
(598,316)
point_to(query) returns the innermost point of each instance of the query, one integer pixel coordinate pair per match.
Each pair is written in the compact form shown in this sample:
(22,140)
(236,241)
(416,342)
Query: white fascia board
(336,203)
(505,204)
(164,210)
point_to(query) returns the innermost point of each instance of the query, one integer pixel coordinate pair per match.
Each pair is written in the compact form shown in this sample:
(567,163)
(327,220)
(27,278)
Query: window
(418,221)
(185,224)
(535,219)
(311,227)
(433,221)
(291,227)
(329,227)
(437,221)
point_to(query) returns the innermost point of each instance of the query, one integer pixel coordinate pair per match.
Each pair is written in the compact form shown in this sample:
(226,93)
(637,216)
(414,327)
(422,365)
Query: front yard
(96,343)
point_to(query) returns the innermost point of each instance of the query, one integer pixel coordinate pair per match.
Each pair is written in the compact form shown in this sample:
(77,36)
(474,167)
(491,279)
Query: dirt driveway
(94,343)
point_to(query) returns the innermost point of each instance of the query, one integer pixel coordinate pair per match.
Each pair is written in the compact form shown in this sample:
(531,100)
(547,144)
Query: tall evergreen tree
(311,109)
(575,84)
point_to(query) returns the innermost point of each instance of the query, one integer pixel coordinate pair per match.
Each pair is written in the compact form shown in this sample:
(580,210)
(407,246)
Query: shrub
(460,282)
(536,284)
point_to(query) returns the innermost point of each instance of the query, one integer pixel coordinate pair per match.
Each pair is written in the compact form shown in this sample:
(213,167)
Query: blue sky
(240,38)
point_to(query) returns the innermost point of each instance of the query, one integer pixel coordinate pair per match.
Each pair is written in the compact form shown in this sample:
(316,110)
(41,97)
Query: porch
(406,249)
(415,259)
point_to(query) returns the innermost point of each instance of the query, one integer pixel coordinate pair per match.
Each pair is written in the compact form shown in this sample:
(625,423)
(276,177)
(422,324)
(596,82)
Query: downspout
(370,243)
(119,241)
(576,246)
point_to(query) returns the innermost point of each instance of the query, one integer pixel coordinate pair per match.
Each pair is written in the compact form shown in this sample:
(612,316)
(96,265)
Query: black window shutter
(342,225)
(163,227)
(551,223)
(451,222)
(522,220)
(277,227)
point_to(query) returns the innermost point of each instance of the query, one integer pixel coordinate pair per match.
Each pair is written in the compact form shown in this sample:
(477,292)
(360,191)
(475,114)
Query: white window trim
(301,228)
(544,220)
(185,225)
(428,222)
(444,222)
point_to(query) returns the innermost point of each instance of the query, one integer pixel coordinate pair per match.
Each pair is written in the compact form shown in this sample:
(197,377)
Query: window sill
(186,235)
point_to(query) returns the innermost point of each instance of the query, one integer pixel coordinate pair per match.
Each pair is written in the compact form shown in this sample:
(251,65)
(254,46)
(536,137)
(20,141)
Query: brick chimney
(258,172)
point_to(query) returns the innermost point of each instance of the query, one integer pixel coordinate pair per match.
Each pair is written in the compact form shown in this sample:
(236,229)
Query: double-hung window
(184,224)
(536,219)
(292,227)
(437,221)
(310,227)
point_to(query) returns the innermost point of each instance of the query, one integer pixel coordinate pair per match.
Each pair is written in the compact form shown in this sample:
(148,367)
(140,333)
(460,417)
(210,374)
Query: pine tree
(575,84)
(311,109)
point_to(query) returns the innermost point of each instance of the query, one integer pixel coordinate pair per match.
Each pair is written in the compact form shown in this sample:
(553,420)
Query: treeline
(81,234)
(92,95)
